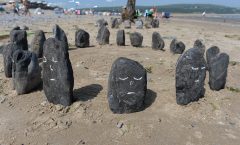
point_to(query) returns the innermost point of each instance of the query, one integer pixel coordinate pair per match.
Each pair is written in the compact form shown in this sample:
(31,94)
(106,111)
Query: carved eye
(138,79)
(123,79)
(55,61)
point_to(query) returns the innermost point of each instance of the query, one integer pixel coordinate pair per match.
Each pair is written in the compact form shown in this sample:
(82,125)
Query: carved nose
(131,83)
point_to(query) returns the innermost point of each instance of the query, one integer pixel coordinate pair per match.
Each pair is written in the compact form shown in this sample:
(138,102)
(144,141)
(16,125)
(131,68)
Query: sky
(108,3)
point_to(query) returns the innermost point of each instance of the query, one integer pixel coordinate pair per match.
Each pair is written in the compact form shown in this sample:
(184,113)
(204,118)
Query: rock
(136,39)
(148,23)
(2,99)
(82,38)
(217,67)
(58,78)
(25,28)
(103,35)
(37,43)
(199,44)
(114,23)
(19,37)
(129,10)
(155,23)
(190,76)
(8,51)
(119,125)
(127,24)
(177,47)
(157,41)
(127,86)
(26,72)
(60,35)
(139,24)
(1,49)
(101,22)
(121,38)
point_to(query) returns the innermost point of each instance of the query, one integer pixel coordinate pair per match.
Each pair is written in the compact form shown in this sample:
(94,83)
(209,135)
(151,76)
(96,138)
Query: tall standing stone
(58,78)
(101,22)
(60,35)
(37,43)
(136,39)
(127,86)
(121,38)
(103,35)
(177,47)
(139,24)
(26,72)
(217,67)
(190,76)
(82,38)
(129,11)
(114,23)
(8,51)
(19,37)
(157,41)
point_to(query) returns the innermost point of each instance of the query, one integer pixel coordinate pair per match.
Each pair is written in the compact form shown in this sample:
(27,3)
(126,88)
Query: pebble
(119,125)
(2,99)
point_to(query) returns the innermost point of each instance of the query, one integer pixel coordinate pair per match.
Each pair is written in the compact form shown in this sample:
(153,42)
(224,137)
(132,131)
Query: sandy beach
(214,120)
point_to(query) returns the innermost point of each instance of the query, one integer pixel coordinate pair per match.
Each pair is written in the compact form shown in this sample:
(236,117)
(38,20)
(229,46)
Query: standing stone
(139,24)
(157,41)
(82,38)
(177,47)
(199,44)
(101,22)
(127,24)
(121,38)
(58,78)
(218,67)
(8,51)
(19,37)
(37,43)
(26,72)
(60,35)
(114,23)
(190,76)
(136,39)
(103,35)
(127,86)
(129,11)
(155,23)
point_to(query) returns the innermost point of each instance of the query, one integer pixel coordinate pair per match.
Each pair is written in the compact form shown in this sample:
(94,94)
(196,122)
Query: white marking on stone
(131,83)
(195,68)
(44,59)
(203,67)
(51,68)
(138,79)
(55,61)
(52,79)
(129,93)
(196,81)
(123,79)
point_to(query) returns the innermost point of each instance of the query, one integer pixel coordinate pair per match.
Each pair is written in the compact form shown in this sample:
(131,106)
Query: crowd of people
(21,7)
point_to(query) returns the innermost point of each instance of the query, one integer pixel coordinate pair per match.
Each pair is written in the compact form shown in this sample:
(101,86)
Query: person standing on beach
(26,7)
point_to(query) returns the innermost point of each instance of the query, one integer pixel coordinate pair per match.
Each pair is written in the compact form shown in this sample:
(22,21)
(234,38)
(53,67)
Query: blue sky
(102,3)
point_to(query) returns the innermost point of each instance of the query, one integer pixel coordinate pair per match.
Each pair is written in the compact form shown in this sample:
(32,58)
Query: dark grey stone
(103,35)
(177,47)
(157,41)
(101,22)
(19,37)
(37,43)
(190,76)
(155,23)
(8,51)
(217,67)
(114,23)
(127,86)
(82,38)
(26,72)
(121,38)
(58,80)
(199,44)
(136,39)
(139,24)
(60,35)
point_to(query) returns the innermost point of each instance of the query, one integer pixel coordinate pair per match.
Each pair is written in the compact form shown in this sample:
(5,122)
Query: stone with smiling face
(127,86)
(58,78)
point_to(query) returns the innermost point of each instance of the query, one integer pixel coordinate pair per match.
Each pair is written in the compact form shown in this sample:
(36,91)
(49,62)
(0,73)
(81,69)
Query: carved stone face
(127,85)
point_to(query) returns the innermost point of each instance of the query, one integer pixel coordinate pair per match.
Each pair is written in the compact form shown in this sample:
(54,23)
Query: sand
(214,120)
